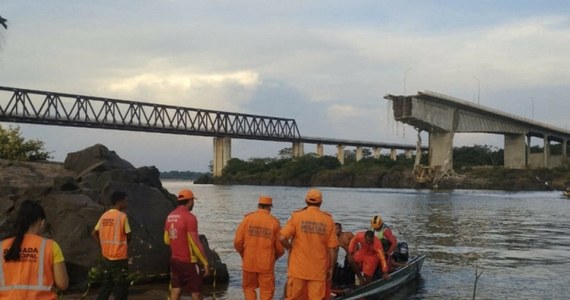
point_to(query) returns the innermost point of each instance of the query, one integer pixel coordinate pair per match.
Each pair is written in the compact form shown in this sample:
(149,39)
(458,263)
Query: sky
(326,64)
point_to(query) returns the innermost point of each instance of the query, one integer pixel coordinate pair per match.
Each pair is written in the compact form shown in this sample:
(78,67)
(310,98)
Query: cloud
(220,91)
(340,111)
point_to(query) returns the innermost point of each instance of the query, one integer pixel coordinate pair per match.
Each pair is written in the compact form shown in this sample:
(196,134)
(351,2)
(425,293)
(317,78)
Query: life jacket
(112,235)
(380,235)
(32,276)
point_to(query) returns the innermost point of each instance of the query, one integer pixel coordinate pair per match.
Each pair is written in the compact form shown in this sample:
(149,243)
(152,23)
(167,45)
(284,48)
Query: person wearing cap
(181,233)
(385,235)
(257,242)
(113,233)
(312,251)
(366,251)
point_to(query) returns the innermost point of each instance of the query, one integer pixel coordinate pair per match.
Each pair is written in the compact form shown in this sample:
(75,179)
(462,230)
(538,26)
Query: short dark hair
(183,202)
(339,225)
(117,196)
(264,206)
(369,234)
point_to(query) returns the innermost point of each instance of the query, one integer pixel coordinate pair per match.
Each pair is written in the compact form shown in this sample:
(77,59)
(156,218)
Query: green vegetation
(182,175)
(14,147)
(476,167)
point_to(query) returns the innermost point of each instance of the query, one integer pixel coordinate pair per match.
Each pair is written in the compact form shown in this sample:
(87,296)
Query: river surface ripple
(519,240)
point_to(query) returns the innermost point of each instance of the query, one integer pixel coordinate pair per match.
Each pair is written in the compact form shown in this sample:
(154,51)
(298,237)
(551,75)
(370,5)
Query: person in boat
(343,274)
(385,235)
(368,256)
(312,251)
(257,242)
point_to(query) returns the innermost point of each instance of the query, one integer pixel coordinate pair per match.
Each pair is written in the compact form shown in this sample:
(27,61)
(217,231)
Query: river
(520,241)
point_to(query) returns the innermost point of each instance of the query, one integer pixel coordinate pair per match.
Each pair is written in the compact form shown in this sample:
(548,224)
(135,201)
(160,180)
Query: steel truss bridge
(50,108)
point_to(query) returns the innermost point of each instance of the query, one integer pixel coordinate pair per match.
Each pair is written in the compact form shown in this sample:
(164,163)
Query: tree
(14,147)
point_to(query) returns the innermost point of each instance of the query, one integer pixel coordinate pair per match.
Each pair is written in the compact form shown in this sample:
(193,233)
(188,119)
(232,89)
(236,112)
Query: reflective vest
(112,235)
(32,276)
(380,235)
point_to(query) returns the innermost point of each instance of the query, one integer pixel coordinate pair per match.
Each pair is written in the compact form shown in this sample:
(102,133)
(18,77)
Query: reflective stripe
(26,287)
(42,260)
(2,266)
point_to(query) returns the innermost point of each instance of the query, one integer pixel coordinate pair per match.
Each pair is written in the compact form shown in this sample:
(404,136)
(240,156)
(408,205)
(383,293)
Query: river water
(519,241)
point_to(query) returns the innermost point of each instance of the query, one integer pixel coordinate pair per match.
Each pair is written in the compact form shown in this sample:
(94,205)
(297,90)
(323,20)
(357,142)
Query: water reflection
(519,240)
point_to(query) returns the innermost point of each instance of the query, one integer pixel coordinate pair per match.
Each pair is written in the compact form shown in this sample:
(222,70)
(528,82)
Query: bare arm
(60,276)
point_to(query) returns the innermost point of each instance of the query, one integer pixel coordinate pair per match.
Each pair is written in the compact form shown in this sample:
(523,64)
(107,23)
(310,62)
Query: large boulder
(95,155)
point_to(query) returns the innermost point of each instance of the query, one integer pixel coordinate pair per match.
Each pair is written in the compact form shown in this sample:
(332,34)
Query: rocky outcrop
(74,196)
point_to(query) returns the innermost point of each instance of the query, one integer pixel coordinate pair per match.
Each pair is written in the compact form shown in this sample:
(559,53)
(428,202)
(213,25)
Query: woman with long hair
(31,265)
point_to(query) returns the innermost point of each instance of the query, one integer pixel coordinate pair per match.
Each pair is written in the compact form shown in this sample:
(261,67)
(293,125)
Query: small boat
(382,287)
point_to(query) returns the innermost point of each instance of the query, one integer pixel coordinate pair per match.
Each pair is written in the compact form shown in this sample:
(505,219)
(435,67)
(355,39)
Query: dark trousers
(115,279)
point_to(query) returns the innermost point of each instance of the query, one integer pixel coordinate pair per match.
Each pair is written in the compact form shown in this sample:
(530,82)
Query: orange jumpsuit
(369,255)
(257,241)
(313,234)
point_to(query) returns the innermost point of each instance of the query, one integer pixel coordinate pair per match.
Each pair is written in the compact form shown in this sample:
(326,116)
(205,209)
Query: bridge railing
(50,108)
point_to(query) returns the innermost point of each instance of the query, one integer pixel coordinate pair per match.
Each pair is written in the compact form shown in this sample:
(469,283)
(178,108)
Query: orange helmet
(376,222)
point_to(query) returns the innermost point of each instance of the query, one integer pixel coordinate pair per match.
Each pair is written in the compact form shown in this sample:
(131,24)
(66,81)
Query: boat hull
(382,287)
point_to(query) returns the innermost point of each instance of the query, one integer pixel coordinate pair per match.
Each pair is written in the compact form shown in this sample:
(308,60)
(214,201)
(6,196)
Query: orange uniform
(369,255)
(313,234)
(113,228)
(31,277)
(257,241)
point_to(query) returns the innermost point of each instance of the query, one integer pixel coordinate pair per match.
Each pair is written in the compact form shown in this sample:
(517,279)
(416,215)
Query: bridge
(51,108)
(442,116)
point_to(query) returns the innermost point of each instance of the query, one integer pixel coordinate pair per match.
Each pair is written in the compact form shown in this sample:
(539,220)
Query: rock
(97,154)
(75,194)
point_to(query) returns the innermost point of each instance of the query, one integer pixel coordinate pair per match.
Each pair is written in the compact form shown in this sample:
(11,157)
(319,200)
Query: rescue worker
(384,234)
(31,265)
(181,233)
(343,274)
(368,255)
(312,251)
(257,242)
(344,237)
(113,233)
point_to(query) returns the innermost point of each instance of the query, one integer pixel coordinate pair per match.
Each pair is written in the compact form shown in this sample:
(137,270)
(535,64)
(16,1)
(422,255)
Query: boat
(382,287)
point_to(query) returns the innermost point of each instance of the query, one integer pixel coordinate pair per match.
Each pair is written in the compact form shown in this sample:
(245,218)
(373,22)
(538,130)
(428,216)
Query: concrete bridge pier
(298,149)
(441,150)
(409,154)
(377,152)
(515,151)
(320,150)
(393,154)
(358,153)
(340,154)
(546,152)
(222,154)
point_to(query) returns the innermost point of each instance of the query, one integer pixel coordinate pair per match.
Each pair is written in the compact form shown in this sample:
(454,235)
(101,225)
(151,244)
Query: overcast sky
(326,64)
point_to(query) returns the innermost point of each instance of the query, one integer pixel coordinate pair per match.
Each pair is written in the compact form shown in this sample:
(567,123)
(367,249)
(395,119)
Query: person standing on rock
(257,242)
(181,233)
(31,265)
(113,233)
(313,251)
